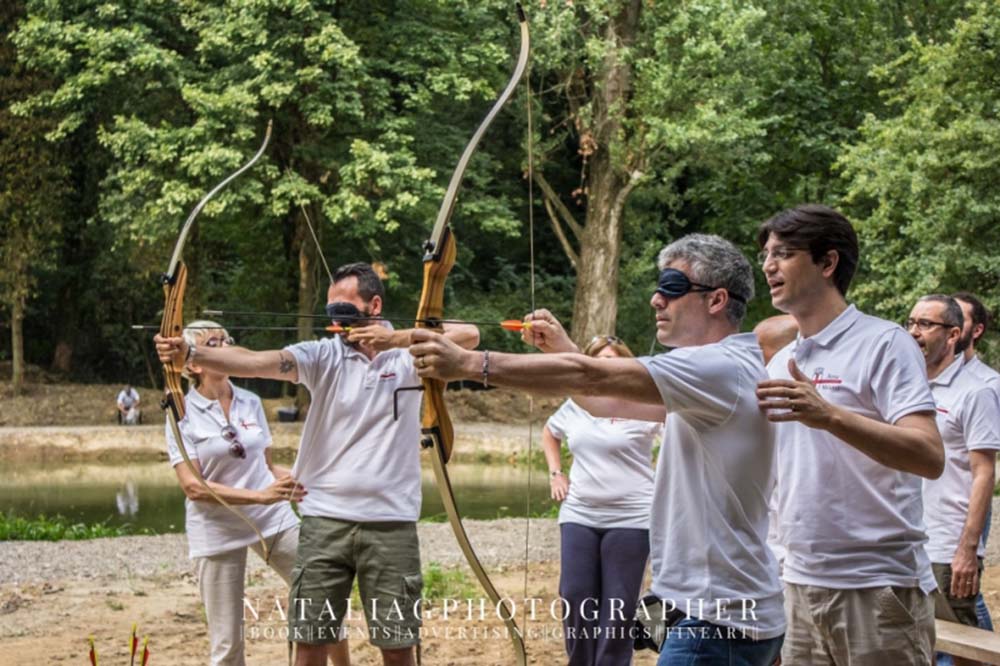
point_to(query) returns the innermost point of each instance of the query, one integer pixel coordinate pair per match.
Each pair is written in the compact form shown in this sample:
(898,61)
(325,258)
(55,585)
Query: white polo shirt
(967,412)
(355,461)
(611,479)
(708,528)
(211,528)
(128,398)
(984,372)
(846,521)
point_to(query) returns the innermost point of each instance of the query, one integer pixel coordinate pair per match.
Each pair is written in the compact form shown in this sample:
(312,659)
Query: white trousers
(221,579)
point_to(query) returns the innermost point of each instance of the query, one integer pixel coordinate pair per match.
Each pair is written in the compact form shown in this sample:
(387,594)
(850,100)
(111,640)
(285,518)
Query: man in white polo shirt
(359,466)
(956,504)
(975,323)
(855,433)
(708,525)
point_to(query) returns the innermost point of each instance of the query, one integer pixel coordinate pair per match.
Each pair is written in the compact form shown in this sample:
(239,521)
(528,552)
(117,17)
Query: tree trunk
(307,296)
(595,304)
(17,344)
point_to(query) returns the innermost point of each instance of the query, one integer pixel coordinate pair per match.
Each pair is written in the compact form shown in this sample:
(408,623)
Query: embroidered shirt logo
(386,375)
(246,425)
(830,380)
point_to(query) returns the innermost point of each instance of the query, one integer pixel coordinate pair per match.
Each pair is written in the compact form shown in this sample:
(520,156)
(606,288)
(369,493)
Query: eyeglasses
(779,253)
(236,449)
(924,325)
(220,341)
(675,284)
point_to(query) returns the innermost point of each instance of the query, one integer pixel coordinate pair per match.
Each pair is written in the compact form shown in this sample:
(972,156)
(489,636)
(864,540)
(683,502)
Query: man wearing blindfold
(708,525)
(360,466)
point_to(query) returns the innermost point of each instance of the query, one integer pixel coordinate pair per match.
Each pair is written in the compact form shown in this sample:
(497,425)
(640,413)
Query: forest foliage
(645,120)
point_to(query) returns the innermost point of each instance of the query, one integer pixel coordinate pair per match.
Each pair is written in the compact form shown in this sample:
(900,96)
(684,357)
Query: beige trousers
(221,579)
(881,626)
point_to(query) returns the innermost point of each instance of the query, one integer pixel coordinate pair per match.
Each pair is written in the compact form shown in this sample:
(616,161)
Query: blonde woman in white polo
(228,440)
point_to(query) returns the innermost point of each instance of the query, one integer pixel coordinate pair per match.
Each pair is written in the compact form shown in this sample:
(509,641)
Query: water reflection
(128,499)
(94,493)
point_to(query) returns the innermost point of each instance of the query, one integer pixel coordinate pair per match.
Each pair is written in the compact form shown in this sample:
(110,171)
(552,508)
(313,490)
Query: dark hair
(819,229)
(369,283)
(952,314)
(980,315)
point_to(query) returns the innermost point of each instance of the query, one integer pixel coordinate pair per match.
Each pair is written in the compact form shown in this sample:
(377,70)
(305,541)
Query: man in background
(956,505)
(128,406)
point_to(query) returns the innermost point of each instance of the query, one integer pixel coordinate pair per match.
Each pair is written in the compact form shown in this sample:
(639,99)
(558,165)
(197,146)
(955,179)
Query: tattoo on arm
(286,363)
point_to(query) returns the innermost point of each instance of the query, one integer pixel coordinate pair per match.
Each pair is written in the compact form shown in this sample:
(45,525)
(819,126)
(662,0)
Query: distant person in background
(975,324)
(128,406)
(228,440)
(603,521)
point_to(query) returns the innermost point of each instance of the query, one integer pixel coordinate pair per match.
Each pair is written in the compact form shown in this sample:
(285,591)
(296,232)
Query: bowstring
(531,398)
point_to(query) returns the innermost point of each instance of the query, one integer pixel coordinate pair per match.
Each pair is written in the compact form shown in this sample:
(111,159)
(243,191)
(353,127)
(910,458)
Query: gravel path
(499,543)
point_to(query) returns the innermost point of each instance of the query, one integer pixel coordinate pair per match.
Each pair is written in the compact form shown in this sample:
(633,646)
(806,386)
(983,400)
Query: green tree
(638,96)
(32,184)
(922,181)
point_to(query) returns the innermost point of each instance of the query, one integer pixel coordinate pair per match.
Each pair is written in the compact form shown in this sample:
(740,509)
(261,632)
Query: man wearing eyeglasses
(360,466)
(708,523)
(856,432)
(956,505)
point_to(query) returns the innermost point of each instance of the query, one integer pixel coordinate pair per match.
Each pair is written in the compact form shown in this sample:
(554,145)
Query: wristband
(556,472)
(486,369)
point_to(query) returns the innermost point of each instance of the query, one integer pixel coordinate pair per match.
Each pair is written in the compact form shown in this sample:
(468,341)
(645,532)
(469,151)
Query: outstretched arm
(550,374)
(234,361)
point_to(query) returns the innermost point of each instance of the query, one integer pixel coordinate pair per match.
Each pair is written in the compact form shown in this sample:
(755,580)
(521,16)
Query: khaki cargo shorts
(385,556)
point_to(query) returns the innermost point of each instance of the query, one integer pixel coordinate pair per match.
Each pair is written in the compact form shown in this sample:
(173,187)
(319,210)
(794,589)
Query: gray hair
(952,314)
(714,261)
(193,334)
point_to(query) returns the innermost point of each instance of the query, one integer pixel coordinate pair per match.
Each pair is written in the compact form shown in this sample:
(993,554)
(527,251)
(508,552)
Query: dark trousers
(600,579)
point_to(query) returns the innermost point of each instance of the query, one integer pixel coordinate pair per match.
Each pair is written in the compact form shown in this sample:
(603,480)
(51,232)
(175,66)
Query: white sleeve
(979,420)
(897,375)
(313,357)
(558,423)
(174,453)
(700,383)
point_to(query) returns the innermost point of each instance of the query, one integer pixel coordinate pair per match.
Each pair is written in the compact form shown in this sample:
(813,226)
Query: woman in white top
(603,521)
(228,440)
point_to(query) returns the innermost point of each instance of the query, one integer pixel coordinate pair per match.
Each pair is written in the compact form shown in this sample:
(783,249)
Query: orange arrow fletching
(93,652)
(514,325)
(333,328)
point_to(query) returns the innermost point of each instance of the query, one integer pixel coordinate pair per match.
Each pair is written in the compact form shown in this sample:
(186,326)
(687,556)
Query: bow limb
(172,325)
(439,435)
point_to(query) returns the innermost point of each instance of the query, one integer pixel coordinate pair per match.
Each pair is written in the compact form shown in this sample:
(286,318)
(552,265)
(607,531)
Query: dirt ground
(50,623)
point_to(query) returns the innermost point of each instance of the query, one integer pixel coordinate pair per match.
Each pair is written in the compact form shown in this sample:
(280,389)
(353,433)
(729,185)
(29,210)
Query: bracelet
(486,369)
(556,472)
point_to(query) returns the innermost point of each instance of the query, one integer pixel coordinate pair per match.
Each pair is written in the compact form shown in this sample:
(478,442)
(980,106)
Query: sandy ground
(55,595)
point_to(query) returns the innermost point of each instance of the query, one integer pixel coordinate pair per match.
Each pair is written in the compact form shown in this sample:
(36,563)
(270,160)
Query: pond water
(146,495)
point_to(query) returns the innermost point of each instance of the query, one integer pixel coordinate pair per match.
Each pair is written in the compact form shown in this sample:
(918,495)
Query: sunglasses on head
(674,284)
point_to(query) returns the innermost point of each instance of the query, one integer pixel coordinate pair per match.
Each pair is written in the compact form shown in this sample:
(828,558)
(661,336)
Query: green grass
(58,528)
